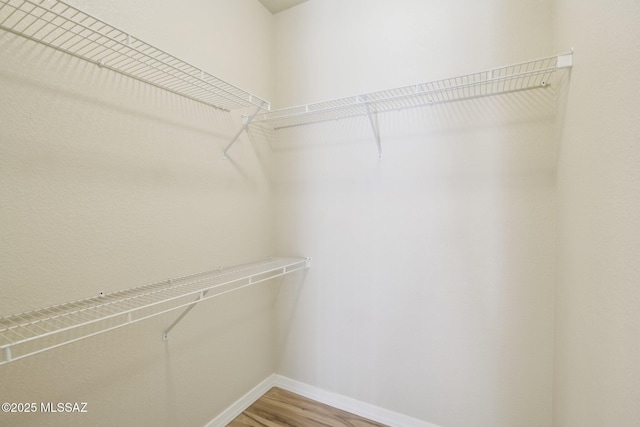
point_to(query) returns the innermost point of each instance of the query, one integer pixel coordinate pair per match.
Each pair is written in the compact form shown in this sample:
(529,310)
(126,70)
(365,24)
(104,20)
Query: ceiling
(276,6)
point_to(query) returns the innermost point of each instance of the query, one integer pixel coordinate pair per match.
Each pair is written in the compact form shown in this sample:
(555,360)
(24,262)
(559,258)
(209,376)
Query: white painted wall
(597,380)
(432,287)
(105,184)
(431,291)
(330,49)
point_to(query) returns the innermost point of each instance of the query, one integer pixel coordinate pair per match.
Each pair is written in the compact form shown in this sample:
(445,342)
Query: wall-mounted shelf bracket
(565,60)
(246,120)
(374,128)
(165,333)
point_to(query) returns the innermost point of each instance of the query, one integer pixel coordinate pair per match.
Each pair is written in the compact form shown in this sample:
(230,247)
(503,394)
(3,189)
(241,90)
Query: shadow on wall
(287,305)
(92,122)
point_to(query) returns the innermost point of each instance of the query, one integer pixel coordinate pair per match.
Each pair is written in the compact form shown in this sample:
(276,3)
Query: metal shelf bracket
(374,128)
(165,333)
(565,60)
(246,121)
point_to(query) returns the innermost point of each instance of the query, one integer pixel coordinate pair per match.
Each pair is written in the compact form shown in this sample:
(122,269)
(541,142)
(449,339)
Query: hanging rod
(65,28)
(526,75)
(33,332)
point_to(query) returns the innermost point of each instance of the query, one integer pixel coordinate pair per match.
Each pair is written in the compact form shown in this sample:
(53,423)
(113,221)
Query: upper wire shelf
(525,75)
(34,332)
(70,30)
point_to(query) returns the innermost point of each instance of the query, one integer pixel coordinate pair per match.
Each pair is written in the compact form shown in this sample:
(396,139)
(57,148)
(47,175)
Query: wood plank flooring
(278,407)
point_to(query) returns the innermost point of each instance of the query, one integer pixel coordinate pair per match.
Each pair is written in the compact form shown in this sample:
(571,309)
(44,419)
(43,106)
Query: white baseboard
(243,403)
(348,404)
(362,409)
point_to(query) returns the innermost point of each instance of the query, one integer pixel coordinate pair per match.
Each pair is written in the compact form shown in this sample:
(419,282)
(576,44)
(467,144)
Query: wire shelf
(522,76)
(33,332)
(67,29)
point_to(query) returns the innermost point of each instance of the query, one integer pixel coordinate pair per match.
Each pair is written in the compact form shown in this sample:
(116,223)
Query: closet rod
(65,28)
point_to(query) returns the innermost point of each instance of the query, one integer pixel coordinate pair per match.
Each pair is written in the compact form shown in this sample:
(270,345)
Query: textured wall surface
(106,184)
(431,291)
(597,380)
(435,269)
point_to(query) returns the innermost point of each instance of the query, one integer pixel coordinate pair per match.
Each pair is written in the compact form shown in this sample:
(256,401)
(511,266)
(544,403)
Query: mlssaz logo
(64,407)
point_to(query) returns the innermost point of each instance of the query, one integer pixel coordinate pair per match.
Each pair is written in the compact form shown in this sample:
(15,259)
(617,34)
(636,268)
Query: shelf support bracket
(372,122)
(165,334)
(565,60)
(245,125)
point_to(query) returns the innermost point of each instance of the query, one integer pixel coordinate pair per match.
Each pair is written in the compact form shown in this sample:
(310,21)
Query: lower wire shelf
(33,332)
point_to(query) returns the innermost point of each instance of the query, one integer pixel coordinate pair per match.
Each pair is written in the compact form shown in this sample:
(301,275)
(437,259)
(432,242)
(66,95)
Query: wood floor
(279,407)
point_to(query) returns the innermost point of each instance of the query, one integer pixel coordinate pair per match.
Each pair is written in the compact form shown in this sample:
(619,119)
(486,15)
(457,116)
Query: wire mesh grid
(522,76)
(33,332)
(67,29)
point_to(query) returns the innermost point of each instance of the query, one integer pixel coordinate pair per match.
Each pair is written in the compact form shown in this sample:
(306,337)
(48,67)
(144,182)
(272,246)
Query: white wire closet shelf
(522,76)
(526,75)
(33,332)
(70,30)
